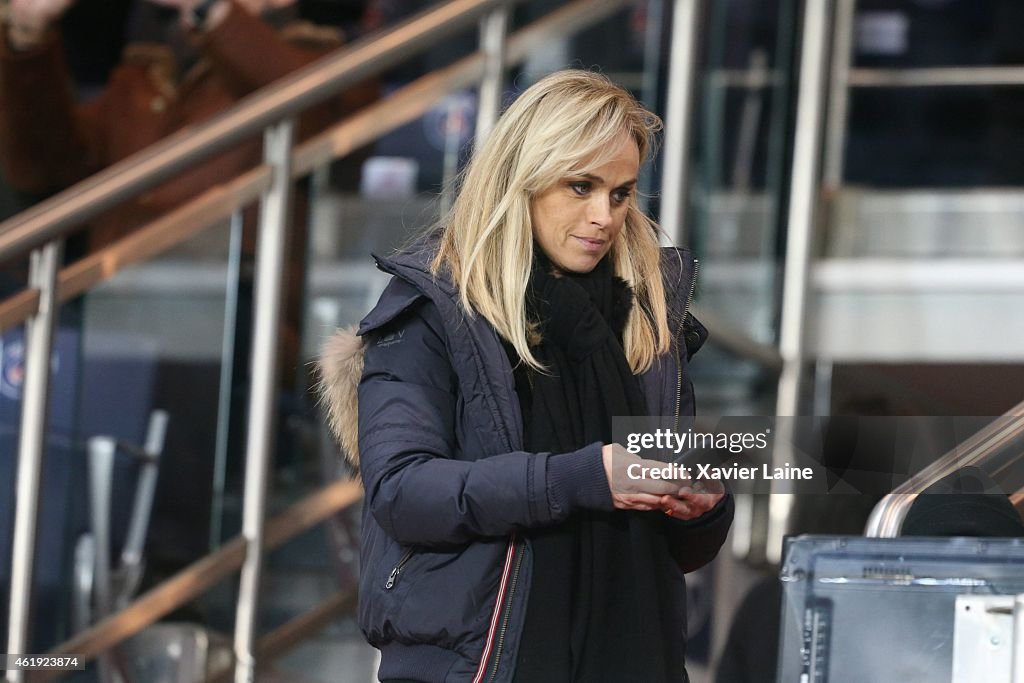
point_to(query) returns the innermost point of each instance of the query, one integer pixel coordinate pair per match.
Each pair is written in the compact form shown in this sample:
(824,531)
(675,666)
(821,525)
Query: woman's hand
(693,500)
(682,499)
(634,492)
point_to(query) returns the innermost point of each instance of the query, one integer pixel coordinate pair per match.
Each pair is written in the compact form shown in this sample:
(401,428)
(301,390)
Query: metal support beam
(277,148)
(493,30)
(35,393)
(101,453)
(145,493)
(1017,651)
(799,236)
(227,356)
(839,86)
(679,121)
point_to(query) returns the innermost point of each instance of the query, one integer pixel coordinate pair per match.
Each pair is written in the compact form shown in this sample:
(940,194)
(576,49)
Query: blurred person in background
(186,61)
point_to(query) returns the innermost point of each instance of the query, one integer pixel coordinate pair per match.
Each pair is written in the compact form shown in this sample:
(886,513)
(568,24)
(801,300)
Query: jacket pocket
(437,596)
(388,572)
(397,569)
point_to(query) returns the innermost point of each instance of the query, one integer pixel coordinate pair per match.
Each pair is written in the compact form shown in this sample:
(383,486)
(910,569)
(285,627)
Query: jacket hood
(340,365)
(340,368)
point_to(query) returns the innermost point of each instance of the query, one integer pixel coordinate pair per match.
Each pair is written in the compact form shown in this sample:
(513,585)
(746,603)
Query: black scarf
(593,613)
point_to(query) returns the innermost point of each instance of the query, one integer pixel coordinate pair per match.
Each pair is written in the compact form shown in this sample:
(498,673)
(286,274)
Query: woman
(501,540)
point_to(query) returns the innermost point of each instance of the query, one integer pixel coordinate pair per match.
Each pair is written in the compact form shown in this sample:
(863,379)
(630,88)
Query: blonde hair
(563,125)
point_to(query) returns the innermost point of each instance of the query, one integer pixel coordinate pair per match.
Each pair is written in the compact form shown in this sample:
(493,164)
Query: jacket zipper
(507,613)
(393,576)
(502,608)
(679,360)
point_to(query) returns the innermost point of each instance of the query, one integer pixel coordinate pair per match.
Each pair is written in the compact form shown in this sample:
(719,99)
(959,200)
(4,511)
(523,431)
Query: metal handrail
(887,517)
(147,242)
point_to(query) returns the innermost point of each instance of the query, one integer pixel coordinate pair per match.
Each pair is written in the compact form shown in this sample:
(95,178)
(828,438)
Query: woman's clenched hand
(680,498)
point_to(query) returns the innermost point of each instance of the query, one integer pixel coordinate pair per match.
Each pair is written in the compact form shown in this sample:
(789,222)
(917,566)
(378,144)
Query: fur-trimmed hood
(340,365)
(340,368)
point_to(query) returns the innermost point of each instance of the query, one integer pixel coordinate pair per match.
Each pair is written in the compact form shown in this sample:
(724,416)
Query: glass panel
(154,334)
(737,195)
(152,337)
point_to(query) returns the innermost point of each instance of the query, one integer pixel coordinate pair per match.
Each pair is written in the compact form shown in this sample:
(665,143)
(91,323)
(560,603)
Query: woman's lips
(593,246)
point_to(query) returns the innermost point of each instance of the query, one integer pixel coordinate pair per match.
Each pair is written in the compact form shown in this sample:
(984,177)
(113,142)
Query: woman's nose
(600,211)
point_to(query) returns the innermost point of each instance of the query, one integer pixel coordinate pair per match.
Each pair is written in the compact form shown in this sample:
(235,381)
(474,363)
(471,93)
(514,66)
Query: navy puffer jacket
(445,577)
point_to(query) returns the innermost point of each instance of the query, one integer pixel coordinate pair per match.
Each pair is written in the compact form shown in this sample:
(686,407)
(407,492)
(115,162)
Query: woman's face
(576,220)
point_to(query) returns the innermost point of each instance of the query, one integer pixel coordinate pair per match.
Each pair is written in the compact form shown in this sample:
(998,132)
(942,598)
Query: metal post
(493,29)
(822,401)
(102,450)
(145,492)
(274,211)
(653,28)
(750,122)
(799,236)
(227,363)
(839,89)
(781,85)
(678,120)
(1017,653)
(38,347)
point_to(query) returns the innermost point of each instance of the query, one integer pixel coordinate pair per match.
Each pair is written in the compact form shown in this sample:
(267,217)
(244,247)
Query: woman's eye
(620,196)
(581,187)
